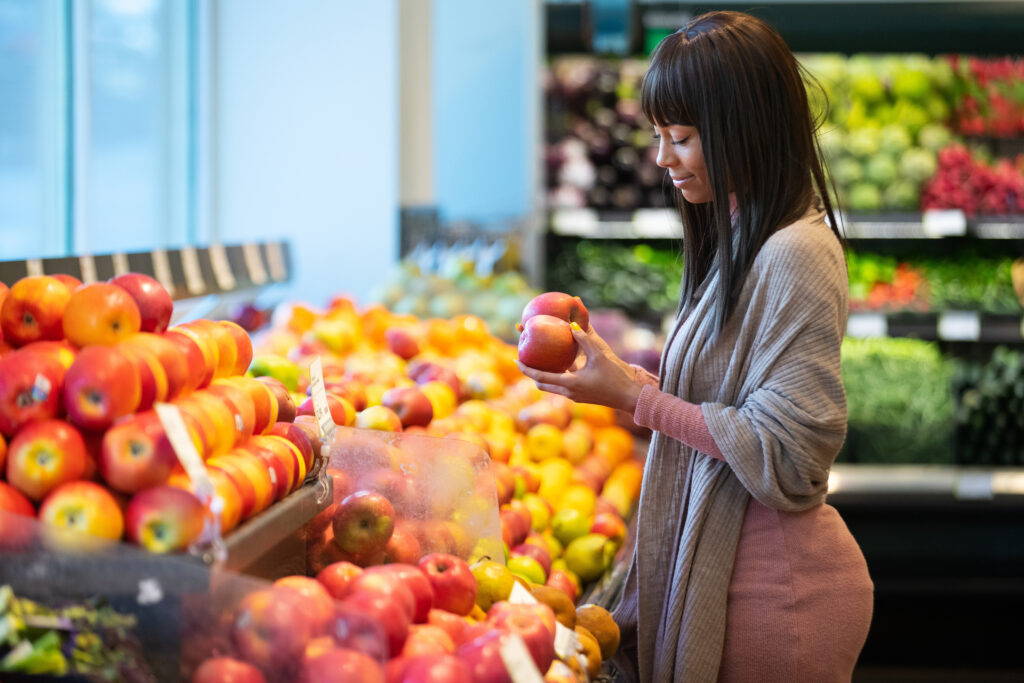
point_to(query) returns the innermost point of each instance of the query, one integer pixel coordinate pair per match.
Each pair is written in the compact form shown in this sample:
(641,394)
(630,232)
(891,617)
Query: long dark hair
(732,77)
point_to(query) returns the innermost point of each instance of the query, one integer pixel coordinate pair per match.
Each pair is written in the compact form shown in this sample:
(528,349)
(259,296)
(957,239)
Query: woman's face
(680,152)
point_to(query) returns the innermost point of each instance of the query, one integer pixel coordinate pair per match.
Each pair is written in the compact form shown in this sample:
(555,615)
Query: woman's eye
(680,142)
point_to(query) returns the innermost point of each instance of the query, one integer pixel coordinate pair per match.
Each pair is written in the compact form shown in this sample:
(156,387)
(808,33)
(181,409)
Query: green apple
(540,511)
(589,556)
(278,367)
(569,524)
(528,568)
(494,582)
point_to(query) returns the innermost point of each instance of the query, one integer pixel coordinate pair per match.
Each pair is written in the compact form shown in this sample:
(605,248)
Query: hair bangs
(665,95)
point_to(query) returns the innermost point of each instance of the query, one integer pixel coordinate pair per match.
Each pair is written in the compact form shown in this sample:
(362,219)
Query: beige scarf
(772,397)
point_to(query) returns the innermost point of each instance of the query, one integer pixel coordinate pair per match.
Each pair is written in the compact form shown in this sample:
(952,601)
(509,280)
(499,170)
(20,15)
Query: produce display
(970,180)
(989,413)
(80,372)
(989,99)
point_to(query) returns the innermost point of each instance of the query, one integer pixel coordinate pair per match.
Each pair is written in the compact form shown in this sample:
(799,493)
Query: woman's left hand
(598,376)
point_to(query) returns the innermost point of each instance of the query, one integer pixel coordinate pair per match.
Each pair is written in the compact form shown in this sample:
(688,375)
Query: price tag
(974,486)
(120,264)
(944,223)
(188,456)
(583,222)
(520,665)
(221,267)
(566,643)
(34,266)
(960,326)
(867,325)
(275,261)
(193,273)
(162,269)
(521,596)
(254,263)
(88,266)
(320,407)
(662,223)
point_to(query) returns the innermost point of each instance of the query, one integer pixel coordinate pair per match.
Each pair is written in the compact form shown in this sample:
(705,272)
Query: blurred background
(450,156)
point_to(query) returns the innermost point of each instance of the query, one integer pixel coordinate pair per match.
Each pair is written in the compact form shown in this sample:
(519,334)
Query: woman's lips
(679,182)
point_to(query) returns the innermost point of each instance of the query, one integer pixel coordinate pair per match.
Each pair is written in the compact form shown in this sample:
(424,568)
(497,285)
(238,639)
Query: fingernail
(576,326)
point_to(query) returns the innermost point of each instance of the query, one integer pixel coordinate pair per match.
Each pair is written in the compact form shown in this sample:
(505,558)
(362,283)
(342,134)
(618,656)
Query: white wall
(305,137)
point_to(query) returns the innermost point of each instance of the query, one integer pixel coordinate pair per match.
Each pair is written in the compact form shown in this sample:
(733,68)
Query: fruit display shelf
(951,326)
(664,224)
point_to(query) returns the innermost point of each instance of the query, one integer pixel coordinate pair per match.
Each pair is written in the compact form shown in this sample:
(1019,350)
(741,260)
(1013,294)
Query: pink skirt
(800,599)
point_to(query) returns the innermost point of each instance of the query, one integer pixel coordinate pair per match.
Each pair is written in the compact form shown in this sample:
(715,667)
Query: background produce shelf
(970,326)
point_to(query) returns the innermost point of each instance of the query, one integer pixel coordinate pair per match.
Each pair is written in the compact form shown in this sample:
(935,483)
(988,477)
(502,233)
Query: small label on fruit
(162,269)
(275,261)
(88,266)
(960,326)
(254,263)
(566,643)
(193,273)
(41,388)
(520,665)
(221,267)
(521,596)
(944,223)
(320,407)
(974,486)
(867,325)
(120,264)
(188,456)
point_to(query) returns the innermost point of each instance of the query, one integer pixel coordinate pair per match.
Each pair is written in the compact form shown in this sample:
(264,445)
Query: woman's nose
(666,157)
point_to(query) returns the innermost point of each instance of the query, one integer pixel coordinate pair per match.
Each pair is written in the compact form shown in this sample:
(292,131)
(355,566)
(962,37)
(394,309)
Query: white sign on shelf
(974,486)
(867,325)
(521,596)
(944,223)
(185,449)
(320,405)
(520,665)
(584,222)
(567,644)
(959,326)
(657,223)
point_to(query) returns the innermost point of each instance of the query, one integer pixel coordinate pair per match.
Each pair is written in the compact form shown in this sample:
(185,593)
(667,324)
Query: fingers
(583,338)
(553,389)
(539,376)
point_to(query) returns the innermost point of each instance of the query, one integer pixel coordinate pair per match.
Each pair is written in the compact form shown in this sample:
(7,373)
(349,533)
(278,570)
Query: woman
(740,571)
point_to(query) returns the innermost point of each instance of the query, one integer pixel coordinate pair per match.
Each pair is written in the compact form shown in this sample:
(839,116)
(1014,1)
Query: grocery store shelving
(664,224)
(956,326)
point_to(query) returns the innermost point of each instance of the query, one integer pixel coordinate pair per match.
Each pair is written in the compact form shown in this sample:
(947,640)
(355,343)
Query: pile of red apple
(400,623)
(968,182)
(81,447)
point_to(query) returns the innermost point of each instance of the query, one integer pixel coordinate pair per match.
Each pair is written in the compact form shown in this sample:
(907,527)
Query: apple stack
(81,367)
(439,619)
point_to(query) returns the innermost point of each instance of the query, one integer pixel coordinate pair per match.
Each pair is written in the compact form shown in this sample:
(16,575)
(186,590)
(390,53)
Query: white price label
(867,325)
(120,264)
(181,442)
(520,665)
(960,326)
(162,269)
(254,263)
(320,406)
(974,486)
(521,596)
(566,643)
(652,223)
(221,267)
(944,223)
(275,260)
(193,273)
(88,265)
(583,222)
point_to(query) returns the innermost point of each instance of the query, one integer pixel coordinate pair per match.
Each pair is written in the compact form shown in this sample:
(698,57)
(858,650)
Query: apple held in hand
(452,581)
(227,670)
(153,301)
(101,386)
(34,309)
(43,455)
(100,313)
(30,388)
(164,519)
(547,344)
(559,305)
(363,523)
(84,507)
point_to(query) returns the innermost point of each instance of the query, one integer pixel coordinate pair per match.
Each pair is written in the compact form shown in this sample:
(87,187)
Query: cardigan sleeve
(675,418)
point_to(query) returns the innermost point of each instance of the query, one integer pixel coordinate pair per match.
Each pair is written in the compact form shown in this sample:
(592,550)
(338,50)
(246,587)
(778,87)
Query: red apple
(281,470)
(43,455)
(63,352)
(453,624)
(402,342)
(513,530)
(452,581)
(101,386)
(151,374)
(535,624)
(224,488)
(363,523)
(437,668)
(483,657)
(70,281)
(171,357)
(255,470)
(564,582)
(153,301)
(222,339)
(199,372)
(410,404)
(13,501)
(208,349)
(342,412)
(336,577)
(537,552)
(164,519)
(547,344)
(402,547)
(386,585)
(271,630)
(34,309)
(340,665)
(387,612)
(350,390)
(243,346)
(84,507)
(286,410)
(297,436)
(416,581)
(379,418)
(30,389)
(100,313)
(562,306)
(435,537)
(227,670)
(425,639)
(288,453)
(318,603)
(358,631)
(422,372)
(609,524)
(136,454)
